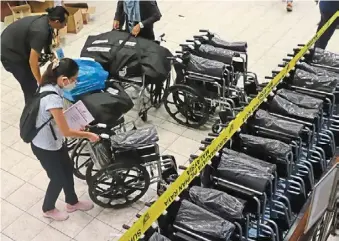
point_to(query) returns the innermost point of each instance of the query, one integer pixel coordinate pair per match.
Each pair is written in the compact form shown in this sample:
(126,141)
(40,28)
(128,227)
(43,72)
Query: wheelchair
(209,72)
(122,166)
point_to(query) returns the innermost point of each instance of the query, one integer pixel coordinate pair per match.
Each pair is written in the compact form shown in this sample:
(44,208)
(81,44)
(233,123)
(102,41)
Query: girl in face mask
(48,145)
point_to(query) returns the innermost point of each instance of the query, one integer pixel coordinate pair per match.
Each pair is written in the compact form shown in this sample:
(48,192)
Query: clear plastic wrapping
(266,120)
(301,100)
(312,81)
(318,70)
(326,58)
(205,66)
(135,138)
(203,222)
(158,237)
(284,107)
(101,154)
(271,147)
(249,160)
(235,46)
(219,54)
(251,176)
(217,202)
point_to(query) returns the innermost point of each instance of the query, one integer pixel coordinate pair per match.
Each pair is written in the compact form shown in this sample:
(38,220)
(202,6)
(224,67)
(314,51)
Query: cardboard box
(85,10)
(74,21)
(86,14)
(20,11)
(40,6)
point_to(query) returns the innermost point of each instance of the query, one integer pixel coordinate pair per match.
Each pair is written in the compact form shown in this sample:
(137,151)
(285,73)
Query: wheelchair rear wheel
(81,159)
(119,185)
(184,104)
(90,172)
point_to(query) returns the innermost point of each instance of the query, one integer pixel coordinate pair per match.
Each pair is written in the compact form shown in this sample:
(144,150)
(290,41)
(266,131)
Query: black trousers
(23,74)
(323,40)
(59,168)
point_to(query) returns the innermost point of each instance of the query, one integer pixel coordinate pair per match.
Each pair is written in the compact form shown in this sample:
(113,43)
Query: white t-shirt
(45,138)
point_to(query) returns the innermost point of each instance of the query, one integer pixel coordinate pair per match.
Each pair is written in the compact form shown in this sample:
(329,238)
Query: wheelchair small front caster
(143,115)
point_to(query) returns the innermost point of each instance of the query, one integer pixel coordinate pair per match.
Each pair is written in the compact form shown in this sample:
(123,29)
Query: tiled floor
(271,33)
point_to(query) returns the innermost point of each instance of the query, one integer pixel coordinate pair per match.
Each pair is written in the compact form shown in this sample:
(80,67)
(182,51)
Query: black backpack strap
(42,95)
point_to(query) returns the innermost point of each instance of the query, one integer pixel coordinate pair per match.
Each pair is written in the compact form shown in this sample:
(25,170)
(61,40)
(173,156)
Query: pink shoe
(56,215)
(81,205)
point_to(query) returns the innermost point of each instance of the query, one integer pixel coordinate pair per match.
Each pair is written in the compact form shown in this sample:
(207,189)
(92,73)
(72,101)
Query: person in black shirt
(22,43)
(327,9)
(139,17)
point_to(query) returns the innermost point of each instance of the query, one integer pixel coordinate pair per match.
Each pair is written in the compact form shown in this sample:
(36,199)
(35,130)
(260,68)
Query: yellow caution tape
(152,214)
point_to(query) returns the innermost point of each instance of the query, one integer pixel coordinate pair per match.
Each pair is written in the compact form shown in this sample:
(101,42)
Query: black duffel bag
(108,107)
(123,55)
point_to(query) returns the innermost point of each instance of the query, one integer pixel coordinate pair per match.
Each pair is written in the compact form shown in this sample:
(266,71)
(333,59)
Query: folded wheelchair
(211,74)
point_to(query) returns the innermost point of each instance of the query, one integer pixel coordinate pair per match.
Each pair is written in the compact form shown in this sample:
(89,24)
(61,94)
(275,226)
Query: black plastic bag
(219,54)
(249,160)
(268,146)
(282,106)
(158,237)
(319,71)
(135,138)
(137,54)
(327,58)
(266,120)
(109,106)
(243,173)
(203,222)
(205,66)
(312,81)
(235,46)
(217,202)
(301,100)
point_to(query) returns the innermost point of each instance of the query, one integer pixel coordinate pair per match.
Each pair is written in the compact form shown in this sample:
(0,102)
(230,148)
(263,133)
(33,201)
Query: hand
(116,24)
(93,137)
(136,30)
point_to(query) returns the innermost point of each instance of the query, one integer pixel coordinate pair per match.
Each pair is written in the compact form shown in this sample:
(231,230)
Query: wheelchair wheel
(81,159)
(90,172)
(190,108)
(119,185)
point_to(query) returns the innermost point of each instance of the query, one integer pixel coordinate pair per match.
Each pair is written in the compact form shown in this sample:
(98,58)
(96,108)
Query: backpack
(28,129)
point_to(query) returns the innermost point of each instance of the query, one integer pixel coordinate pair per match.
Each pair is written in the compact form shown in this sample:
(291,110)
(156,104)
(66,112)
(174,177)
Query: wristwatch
(141,25)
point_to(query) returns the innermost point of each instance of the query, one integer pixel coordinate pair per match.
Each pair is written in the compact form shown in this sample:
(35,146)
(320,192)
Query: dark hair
(57,13)
(67,67)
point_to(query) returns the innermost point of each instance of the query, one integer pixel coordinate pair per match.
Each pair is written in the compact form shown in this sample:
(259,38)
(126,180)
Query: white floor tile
(76,222)
(25,197)
(9,213)
(51,234)
(25,228)
(9,183)
(96,230)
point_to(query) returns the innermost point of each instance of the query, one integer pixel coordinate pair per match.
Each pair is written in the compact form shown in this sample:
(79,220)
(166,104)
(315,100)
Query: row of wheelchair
(257,184)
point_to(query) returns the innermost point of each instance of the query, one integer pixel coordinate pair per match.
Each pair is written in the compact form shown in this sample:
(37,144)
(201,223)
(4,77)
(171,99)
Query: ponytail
(65,67)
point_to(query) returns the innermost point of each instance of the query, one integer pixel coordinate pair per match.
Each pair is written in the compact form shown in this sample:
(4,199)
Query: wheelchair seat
(266,120)
(135,138)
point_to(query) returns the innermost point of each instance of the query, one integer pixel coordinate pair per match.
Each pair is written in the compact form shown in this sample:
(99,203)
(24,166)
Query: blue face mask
(69,86)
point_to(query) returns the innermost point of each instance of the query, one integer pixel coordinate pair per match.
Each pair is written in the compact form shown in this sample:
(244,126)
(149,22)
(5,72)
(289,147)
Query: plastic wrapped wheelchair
(211,74)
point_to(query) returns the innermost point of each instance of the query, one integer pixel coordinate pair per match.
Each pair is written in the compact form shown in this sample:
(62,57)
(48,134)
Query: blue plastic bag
(91,77)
